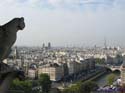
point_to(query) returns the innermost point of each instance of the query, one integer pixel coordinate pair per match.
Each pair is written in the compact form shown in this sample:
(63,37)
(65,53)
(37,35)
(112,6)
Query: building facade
(55,72)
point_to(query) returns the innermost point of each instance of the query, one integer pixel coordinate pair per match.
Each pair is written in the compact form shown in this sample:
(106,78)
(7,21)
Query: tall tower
(16,55)
(49,45)
(43,45)
(105,43)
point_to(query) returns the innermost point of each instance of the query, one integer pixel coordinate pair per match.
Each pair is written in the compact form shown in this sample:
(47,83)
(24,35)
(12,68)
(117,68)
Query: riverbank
(102,80)
(89,77)
(97,76)
(100,77)
(92,82)
(85,84)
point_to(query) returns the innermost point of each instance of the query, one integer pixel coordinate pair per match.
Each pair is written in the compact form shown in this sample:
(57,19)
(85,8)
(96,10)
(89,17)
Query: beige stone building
(32,73)
(72,67)
(53,70)
(81,65)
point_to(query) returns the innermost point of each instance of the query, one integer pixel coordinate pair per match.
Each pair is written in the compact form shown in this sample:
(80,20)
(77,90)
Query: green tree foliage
(100,61)
(25,86)
(73,89)
(88,86)
(119,58)
(55,90)
(110,79)
(85,87)
(45,82)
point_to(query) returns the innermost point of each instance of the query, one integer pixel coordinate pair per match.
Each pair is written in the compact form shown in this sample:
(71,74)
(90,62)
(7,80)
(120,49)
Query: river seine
(102,80)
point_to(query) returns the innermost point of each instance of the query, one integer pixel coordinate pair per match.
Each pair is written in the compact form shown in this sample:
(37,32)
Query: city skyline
(67,22)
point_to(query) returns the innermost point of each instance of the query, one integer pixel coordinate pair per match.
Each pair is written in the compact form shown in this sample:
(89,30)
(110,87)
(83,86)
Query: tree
(88,87)
(85,87)
(25,86)
(119,59)
(45,83)
(55,90)
(100,61)
(110,79)
(75,89)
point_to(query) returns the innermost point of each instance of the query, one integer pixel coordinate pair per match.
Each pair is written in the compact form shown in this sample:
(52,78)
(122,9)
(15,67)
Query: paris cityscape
(67,67)
(62,46)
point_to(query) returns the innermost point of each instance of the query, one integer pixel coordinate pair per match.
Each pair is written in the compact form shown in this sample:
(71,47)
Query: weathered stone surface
(8,35)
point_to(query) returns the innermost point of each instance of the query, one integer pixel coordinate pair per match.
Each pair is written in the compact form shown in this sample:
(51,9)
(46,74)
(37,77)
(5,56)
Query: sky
(67,22)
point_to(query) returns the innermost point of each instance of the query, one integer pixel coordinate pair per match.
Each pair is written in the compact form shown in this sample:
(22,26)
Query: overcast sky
(67,22)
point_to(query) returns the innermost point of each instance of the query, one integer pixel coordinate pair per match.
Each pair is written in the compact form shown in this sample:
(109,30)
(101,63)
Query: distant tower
(16,52)
(43,45)
(105,43)
(22,63)
(16,55)
(49,45)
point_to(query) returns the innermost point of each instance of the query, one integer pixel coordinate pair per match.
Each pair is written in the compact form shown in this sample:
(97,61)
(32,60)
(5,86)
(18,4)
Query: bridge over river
(112,67)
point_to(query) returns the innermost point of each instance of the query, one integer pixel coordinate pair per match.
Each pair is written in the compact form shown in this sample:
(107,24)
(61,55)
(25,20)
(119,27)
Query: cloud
(77,2)
(65,4)
(85,4)
(44,24)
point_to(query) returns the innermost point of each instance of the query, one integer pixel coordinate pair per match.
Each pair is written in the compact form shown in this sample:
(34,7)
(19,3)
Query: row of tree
(86,87)
(43,85)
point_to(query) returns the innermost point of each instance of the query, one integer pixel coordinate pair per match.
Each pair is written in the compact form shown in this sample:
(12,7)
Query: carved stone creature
(8,35)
